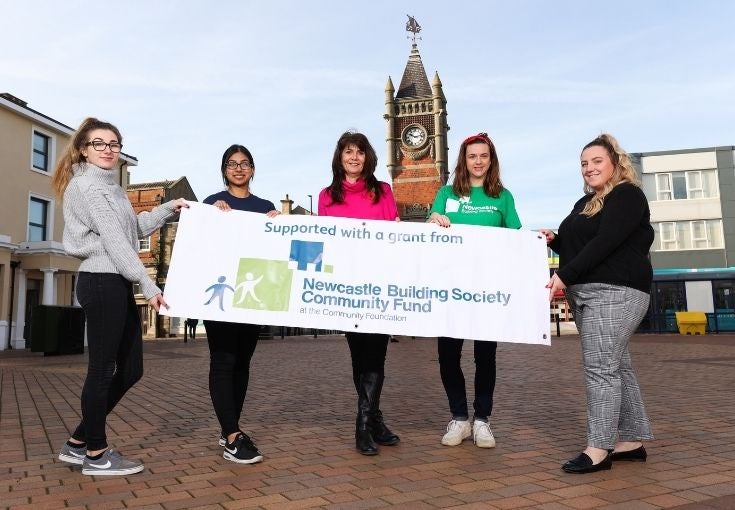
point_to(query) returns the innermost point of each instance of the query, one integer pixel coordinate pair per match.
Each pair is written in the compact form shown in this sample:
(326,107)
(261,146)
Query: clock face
(414,136)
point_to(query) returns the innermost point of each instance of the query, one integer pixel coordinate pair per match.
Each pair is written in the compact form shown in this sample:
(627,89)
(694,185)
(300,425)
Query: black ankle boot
(381,433)
(364,441)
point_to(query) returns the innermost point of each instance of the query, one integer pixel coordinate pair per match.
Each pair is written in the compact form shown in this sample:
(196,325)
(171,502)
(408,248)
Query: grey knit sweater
(101,228)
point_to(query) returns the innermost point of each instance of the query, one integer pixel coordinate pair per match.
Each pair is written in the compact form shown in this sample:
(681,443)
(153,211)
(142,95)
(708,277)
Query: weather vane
(412,26)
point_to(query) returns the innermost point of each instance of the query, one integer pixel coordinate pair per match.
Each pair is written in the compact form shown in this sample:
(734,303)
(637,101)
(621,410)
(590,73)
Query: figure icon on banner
(248,287)
(218,291)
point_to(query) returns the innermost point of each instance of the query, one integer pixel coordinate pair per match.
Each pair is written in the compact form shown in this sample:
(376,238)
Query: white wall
(699,296)
(676,162)
(677,210)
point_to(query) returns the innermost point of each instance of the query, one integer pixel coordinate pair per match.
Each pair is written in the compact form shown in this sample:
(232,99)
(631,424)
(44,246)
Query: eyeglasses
(245,165)
(99,145)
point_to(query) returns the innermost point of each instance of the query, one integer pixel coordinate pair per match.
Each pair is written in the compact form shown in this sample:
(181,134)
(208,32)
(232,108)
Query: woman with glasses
(476,197)
(231,344)
(603,265)
(101,228)
(356,193)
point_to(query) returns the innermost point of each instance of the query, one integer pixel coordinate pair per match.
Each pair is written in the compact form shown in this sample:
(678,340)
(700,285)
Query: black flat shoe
(583,464)
(637,455)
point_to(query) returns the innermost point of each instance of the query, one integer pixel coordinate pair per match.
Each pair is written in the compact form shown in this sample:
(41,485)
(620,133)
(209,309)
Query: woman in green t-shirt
(476,197)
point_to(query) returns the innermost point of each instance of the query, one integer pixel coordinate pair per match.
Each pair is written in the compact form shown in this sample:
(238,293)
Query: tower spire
(414,83)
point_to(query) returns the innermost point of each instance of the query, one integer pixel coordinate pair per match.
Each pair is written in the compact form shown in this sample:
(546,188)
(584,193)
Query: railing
(284,331)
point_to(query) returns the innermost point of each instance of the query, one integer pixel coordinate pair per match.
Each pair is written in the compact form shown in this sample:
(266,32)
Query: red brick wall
(145,200)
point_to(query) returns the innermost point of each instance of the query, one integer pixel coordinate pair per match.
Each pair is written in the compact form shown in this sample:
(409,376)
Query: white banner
(397,278)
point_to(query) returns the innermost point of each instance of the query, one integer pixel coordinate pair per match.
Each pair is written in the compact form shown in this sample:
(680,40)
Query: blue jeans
(115,346)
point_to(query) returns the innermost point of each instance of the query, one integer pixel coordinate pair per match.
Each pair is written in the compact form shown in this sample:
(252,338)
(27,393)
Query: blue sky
(185,79)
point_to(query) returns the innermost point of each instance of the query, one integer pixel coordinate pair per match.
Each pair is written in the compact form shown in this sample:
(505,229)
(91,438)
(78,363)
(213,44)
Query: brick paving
(300,411)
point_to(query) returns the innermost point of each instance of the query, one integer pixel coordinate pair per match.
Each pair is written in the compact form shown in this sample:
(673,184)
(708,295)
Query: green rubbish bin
(57,329)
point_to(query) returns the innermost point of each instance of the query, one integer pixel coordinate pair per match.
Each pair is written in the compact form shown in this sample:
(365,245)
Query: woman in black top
(232,344)
(603,265)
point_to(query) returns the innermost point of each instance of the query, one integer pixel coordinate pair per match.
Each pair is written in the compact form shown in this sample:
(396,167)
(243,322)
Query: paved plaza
(300,412)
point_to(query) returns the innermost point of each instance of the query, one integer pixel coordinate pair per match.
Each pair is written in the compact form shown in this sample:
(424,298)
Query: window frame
(48,233)
(695,239)
(50,154)
(140,245)
(667,193)
(663,240)
(684,238)
(660,191)
(691,189)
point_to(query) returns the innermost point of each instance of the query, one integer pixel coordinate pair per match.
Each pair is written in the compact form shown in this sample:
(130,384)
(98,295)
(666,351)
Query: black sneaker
(242,450)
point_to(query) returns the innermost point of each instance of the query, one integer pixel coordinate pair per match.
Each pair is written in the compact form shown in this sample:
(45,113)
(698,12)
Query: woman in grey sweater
(101,228)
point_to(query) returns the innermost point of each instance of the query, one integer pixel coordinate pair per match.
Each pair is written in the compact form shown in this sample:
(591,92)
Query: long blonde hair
(73,152)
(624,172)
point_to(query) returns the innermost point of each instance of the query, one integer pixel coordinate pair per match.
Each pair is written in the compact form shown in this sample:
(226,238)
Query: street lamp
(311,213)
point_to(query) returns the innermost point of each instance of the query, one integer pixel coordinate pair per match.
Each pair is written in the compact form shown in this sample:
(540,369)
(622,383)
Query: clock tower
(416,137)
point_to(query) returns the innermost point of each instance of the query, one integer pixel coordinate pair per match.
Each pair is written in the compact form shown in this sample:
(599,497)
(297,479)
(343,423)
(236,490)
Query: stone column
(20,315)
(49,287)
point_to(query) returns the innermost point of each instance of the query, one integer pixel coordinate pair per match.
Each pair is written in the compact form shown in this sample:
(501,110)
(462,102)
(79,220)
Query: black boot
(365,408)
(381,433)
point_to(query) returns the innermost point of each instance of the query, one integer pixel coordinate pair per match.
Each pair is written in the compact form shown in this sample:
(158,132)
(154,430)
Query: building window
(699,234)
(694,185)
(667,232)
(41,151)
(38,219)
(144,244)
(724,295)
(687,185)
(688,235)
(663,187)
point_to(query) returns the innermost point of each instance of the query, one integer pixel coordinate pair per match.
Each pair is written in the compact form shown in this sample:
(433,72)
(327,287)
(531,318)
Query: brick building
(155,250)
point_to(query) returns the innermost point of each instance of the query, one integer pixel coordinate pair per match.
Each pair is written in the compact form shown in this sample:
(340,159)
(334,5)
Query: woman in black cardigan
(603,265)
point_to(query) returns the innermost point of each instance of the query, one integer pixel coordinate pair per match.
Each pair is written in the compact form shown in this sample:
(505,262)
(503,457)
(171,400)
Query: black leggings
(115,345)
(450,355)
(231,346)
(367,351)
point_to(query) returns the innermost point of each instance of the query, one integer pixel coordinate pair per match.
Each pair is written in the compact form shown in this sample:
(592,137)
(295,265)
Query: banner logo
(265,284)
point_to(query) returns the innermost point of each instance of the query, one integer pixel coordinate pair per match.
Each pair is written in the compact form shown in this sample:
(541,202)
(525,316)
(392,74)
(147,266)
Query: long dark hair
(73,152)
(491,184)
(234,149)
(368,170)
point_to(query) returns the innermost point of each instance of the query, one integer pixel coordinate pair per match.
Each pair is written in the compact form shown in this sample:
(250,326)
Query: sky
(185,79)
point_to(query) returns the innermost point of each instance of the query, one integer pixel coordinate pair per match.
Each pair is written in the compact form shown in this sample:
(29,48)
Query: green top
(478,208)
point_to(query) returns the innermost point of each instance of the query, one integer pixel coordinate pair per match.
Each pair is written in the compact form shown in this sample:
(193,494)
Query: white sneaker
(482,435)
(457,431)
